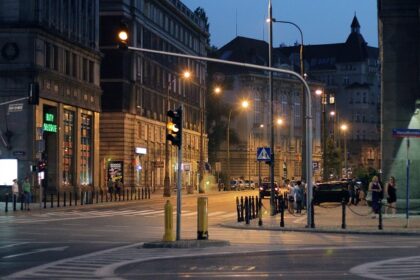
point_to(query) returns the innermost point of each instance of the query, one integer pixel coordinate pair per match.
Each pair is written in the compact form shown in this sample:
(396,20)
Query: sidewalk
(328,219)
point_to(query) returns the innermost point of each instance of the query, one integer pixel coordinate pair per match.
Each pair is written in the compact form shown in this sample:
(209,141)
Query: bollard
(6,208)
(70,198)
(58,199)
(169,224)
(75,198)
(115,196)
(312,214)
(102,196)
(22,199)
(242,209)
(14,202)
(131,194)
(246,210)
(64,198)
(97,196)
(119,195)
(128,197)
(260,222)
(343,206)
(281,212)
(81,197)
(238,209)
(52,201)
(380,215)
(202,218)
(142,193)
(148,191)
(257,210)
(123,191)
(253,207)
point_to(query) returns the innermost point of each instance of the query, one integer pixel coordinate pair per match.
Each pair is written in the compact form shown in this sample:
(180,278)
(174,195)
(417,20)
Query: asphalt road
(103,241)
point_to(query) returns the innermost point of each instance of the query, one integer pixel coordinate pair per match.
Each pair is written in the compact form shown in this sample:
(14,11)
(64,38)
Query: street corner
(186,244)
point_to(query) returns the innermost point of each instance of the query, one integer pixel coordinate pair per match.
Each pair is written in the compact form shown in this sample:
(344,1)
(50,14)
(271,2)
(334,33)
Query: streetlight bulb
(217,90)
(279,121)
(245,104)
(318,92)
(332,113)
(261,125)
(343,127)
(123,35)
(187,74)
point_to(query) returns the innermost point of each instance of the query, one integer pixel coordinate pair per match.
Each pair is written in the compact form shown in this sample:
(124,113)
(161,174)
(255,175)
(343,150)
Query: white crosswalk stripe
(399,268)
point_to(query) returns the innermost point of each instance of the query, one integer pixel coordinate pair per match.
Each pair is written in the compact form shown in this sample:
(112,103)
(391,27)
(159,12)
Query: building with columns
(138,88)
(55,45)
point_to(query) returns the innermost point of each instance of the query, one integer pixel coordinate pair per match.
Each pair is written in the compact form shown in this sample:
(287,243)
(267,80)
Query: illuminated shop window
(68,148)
(86,150)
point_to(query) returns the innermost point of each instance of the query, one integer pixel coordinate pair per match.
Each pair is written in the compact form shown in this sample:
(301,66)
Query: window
(75,65)
(68,62)
(68,145)
(86,150)
(85,69)
(48,62)
(55,56)
(91,72)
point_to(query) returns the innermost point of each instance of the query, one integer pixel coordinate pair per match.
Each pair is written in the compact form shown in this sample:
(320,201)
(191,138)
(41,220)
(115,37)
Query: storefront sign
(141,151)
(49,123)
(115,170)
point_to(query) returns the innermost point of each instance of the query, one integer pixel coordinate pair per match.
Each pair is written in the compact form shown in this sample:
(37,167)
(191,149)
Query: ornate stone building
(137,87)
(399,43)
(53,44)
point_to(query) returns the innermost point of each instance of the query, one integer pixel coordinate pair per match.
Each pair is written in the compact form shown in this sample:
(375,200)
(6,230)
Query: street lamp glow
(217,90)
(123,35)
(279,121)
(332,113)
(344,127)
(261,125)
(319,92)
(245,104)
(186,74)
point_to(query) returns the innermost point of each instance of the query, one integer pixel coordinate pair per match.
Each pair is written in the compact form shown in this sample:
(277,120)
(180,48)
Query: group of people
(295,195)
(26,191)
(377,192)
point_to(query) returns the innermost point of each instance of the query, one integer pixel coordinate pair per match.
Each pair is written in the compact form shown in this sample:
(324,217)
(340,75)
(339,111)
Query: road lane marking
(13,245)
(36,251)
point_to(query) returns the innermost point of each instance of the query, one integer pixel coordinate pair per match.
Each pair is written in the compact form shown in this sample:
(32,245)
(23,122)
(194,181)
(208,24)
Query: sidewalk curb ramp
(187,243)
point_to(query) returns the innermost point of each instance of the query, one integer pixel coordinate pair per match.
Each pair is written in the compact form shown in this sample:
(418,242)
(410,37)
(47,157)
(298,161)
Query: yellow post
(202,218)
(169,223)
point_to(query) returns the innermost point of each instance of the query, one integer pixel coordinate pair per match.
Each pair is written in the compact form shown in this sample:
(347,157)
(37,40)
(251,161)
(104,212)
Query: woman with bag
(376,189)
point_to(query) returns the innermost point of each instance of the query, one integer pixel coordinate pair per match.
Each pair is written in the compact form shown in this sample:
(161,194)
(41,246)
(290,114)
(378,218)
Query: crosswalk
(397,268)
(90,214)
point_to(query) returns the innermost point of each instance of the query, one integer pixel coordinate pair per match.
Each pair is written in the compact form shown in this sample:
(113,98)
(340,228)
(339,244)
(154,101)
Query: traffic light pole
(178,186)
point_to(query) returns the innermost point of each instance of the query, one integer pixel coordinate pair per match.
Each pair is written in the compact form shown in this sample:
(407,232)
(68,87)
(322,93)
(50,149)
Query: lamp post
(322,94)
(166,182)
(344,129)
(244,104)
(303,99)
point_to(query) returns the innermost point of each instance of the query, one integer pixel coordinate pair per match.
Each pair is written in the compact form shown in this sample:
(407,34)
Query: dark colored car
(331,192)
(265,189)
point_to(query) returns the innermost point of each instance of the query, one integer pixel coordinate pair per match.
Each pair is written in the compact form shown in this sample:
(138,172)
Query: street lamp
(344,129)
(166,182)
(244,104)
(217,90)
(322,94)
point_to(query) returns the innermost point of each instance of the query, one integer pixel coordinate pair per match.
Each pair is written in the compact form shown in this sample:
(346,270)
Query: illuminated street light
(279,121)
(217,90)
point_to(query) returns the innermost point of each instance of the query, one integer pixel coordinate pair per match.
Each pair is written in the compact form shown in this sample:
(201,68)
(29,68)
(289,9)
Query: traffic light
(123,36)
(33,94)
(42,165)
(175,127)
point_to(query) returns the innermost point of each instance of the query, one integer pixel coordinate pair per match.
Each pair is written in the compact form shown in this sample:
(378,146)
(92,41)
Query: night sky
(321,21)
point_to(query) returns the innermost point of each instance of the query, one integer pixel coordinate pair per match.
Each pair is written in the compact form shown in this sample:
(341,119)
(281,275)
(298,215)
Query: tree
(333,158)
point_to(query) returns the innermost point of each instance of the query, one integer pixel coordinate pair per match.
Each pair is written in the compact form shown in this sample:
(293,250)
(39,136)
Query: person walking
(376,189)
(391,190)
(15,190)
(26,187)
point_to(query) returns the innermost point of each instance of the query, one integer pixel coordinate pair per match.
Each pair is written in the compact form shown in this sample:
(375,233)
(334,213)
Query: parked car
(265,189)
(237,185)
(249,184)
(331,192)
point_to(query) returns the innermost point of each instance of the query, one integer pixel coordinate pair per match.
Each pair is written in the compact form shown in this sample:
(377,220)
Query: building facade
(52,44)
(351,74)
(251,126)
(399,43)
(139,88)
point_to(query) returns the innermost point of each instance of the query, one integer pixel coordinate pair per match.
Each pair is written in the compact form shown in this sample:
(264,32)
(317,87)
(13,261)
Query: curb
(187,243)
(324,230)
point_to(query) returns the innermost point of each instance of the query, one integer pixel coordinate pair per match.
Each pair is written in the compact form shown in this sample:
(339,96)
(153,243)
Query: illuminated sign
(49,123)
(141,151)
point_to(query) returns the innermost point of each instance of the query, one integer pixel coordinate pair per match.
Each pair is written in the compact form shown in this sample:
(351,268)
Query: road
(105,240)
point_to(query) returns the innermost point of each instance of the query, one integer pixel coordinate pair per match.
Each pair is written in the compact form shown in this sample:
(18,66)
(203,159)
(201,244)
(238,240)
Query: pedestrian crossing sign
(263,154)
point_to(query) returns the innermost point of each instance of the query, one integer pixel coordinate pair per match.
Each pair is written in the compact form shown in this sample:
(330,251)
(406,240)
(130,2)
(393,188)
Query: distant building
(252,125)
(53,44)
(399,42)
(136,87)
(350,72)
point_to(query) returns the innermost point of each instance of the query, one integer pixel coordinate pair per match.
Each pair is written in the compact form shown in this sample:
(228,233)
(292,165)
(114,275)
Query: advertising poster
(115,171)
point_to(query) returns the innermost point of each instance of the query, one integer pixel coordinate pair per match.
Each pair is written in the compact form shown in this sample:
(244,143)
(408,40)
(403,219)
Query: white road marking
(13,245)
(36,251)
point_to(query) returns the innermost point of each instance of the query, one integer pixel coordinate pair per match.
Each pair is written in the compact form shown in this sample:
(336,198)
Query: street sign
(16,107)
(405,132)
(263,154)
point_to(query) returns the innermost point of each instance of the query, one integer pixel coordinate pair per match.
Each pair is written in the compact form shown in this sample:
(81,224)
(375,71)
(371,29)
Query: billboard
(9,171)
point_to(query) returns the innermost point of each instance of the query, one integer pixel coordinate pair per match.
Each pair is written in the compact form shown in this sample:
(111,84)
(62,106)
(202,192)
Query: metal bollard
(6,207)
(246,210)
(312,214)
(119,195)
(253,207)
(70,198)
(281,212)
(380,227)
(128,197)
(97,196)
(22,199)
(242,209)
(169,222)
(202,218)
(142,193)
(102,196)
(343,206)
(115,196)
(81,197)
(14,202)
(52,200)
(238,209)
(75,199)
(64,198)
(260,222)
(148,192)
(58,199)
(123,191)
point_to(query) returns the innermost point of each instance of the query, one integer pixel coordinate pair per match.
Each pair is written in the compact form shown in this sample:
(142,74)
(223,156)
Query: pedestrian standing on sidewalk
(26,187)
(290,196)
(15,189)
(376,190)
(391,189)
(299,194)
